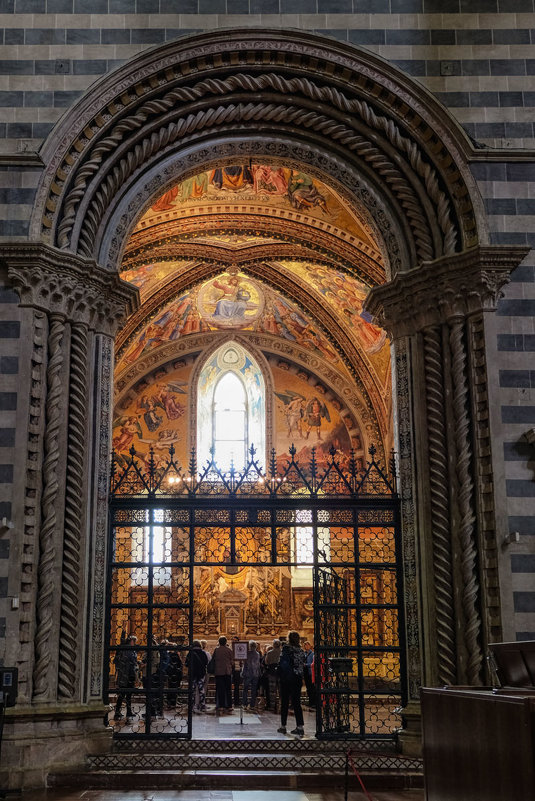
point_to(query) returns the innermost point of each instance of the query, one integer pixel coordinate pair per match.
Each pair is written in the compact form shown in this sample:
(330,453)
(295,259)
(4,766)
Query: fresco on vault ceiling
(158,416)
(280,187)
(147,276)
(230,301)
(306,419)
(345,295)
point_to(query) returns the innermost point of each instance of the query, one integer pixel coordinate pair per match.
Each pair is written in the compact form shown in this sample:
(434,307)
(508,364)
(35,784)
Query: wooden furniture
(479,744)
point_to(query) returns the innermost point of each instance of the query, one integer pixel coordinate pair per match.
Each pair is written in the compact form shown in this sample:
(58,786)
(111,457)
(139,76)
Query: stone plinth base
(41,739)
(410,737)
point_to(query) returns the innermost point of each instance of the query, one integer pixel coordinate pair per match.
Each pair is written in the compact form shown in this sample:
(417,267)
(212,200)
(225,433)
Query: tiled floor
(208,726)
(219,795)
(260,725)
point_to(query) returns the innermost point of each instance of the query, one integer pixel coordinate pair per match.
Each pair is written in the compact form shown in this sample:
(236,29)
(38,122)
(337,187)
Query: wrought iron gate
(171,528)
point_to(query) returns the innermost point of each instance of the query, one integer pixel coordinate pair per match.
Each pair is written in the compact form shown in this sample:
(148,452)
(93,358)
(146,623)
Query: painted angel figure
(315,412)
(128,428)
(294,411)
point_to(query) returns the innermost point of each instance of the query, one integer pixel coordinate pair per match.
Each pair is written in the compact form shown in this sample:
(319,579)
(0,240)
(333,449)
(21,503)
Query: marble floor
(220,795)
(260,725)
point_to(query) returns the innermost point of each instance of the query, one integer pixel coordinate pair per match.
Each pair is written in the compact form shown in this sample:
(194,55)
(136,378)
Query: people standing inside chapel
(271,661)
(196,662)
(224,663)
(208,657)
(126,673)
(307,673)
(174,668)
(250,675)
(291,667)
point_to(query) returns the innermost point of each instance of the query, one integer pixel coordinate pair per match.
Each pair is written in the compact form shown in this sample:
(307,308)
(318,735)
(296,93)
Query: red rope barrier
(357,774)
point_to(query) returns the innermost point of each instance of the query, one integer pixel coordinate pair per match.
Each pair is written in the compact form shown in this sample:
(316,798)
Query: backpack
(286,664)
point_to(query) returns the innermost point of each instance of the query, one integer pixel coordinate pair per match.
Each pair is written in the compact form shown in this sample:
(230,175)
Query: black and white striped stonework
(10,327)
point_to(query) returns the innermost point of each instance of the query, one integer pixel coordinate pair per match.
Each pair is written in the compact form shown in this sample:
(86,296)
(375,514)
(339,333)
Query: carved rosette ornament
(436,305)
(80,300)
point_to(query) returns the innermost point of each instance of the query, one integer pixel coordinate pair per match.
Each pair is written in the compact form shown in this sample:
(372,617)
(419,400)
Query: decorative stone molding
(101,438)
(261,81)
(67,286)
(43,684)
(440,504)
(436,291)
(75,504)
(32,503)
(441,306)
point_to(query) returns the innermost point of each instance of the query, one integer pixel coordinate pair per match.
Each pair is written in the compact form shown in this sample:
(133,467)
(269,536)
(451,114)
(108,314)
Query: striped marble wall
(476,56)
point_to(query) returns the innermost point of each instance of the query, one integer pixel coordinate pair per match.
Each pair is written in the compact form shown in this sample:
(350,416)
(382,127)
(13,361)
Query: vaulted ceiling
(304,255)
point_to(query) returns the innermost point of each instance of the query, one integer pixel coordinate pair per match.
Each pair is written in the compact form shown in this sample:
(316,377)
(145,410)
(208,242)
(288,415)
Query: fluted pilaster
(69,650)
(440,506)
(42,680)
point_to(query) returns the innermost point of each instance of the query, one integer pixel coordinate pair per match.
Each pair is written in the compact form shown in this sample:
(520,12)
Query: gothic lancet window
(229,421)
(231,408)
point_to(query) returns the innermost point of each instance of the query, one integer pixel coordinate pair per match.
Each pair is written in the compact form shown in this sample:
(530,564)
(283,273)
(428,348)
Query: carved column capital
(64,284)
(438,291)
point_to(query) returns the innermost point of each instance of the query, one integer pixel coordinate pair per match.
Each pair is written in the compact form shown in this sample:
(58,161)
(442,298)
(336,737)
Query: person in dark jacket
(224,664)
(174,668)
(126,672)
(291,667)
(196,662)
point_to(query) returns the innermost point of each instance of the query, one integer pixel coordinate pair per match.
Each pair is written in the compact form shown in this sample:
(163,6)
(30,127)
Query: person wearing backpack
(291,667)
(196,662)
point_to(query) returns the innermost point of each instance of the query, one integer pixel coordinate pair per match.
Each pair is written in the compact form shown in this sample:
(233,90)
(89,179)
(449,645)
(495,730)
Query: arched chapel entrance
(287,164)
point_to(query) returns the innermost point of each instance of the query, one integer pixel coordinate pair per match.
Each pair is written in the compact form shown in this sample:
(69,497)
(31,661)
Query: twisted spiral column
(46,580)
(70,584)
(440,512)
(467,535)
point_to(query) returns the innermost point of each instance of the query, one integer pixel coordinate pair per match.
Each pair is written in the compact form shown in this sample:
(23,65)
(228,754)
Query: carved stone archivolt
(437,305)
(262,83)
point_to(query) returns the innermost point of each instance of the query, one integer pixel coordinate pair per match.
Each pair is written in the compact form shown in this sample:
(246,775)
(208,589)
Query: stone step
(251,760)
(231,779)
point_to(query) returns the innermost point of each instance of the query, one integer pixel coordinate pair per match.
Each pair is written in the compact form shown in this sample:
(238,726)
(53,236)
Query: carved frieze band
(102,430)
(463,284)
(405,422)
(62,283)
(46,574)
(440,512)
(32,505)
(486,503)
(74,510)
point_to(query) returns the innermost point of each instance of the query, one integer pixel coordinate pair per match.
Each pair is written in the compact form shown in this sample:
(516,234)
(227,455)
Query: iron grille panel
(168,526)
